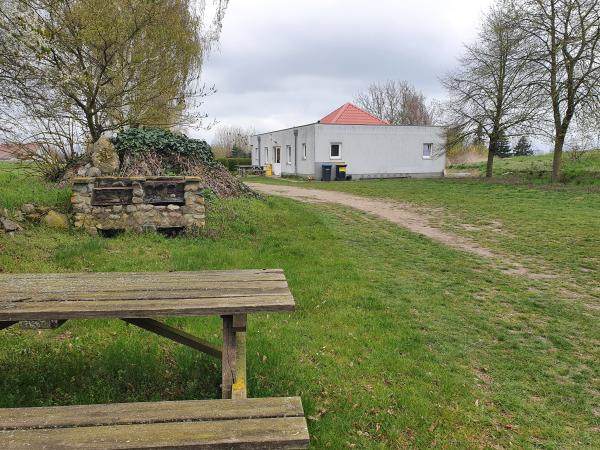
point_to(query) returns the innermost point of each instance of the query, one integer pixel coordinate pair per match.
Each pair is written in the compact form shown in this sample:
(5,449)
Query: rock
(28,208)
(81,172)
(56,220)
(8,225)
(105,157)
(93,172)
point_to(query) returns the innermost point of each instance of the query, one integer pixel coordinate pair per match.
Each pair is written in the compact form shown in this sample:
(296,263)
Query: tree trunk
(490,162)
(557,158)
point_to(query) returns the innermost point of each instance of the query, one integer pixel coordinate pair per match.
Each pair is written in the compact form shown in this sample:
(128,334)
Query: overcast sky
(286,63)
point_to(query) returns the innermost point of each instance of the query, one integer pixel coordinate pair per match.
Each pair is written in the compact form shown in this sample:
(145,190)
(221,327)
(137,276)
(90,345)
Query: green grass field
(396,342)
(578,168)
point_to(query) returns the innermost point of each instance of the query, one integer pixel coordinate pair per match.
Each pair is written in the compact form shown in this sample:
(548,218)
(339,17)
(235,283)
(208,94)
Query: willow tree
(105,64)
(490,93)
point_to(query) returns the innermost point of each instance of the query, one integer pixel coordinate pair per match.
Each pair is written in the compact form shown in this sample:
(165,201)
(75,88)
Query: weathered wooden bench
(139,299)
(232,424)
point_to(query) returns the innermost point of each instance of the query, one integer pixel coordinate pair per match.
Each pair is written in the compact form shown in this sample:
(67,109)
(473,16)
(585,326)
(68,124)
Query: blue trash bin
(326,172)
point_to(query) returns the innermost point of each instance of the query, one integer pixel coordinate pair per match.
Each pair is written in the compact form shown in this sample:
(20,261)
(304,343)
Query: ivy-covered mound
(158,152)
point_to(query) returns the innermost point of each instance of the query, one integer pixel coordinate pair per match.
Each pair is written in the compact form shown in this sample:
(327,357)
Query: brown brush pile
(215,176)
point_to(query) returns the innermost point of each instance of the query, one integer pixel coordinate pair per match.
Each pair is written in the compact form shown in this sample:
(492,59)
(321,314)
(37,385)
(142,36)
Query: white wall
(379,151)
(369,150)
(283,138)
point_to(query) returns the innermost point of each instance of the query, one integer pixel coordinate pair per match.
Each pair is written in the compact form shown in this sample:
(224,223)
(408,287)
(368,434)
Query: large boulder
(105,157)
(56,220)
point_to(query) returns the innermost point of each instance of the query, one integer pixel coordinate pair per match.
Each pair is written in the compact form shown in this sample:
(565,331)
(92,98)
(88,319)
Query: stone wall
(134,213)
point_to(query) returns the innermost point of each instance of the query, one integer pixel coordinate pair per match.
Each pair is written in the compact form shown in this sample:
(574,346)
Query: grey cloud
(287,63)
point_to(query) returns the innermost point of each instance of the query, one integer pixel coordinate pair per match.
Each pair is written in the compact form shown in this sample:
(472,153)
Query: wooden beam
(239,322)
(228,358)
(239,388)
(4,325)
(176,335)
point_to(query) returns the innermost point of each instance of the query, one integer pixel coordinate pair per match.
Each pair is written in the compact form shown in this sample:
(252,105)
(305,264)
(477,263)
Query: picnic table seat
(253,423)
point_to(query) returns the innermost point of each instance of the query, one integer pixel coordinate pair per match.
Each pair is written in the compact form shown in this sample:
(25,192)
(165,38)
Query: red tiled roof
(349,114)
(14,151)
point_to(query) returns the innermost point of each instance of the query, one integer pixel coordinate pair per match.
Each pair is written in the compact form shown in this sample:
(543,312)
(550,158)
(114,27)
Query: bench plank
(196,424)
(147,412)
(275,433)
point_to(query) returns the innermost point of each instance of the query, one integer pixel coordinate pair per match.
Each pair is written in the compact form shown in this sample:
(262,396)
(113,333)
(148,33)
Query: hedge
(233,163)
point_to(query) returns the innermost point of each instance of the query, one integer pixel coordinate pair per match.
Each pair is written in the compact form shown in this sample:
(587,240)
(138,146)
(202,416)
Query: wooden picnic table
(140,299)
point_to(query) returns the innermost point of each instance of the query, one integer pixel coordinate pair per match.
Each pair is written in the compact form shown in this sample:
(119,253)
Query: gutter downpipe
(296,152)
(259,150)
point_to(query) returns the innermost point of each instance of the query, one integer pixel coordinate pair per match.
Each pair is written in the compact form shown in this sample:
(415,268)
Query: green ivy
(161,141)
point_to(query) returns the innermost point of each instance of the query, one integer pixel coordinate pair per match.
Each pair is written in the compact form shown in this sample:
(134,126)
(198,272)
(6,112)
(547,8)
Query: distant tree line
(232,141)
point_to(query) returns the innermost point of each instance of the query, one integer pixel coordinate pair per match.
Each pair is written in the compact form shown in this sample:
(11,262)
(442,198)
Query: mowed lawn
(548,229)
(396,342)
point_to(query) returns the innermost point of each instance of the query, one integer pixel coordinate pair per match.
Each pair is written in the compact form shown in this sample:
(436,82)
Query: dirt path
(402,214)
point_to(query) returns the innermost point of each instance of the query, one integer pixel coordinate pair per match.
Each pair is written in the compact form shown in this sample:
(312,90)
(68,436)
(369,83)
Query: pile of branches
(159,152)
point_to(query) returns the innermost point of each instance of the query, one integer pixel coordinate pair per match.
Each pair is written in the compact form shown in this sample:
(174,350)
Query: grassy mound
(157,152)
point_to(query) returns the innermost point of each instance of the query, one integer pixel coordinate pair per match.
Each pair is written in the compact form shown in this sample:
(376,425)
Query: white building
(368,146)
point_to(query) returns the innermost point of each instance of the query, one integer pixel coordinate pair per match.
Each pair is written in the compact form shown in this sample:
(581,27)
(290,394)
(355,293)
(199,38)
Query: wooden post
(234,356)
(229,357)
(238,390)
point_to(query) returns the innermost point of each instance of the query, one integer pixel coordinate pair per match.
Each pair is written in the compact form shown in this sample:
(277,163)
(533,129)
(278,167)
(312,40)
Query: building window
(427,151)
(335,151)
(289,153)
(277,155)
(304,154)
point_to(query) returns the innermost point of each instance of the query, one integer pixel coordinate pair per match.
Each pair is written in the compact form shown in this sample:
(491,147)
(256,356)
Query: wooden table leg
(234,357)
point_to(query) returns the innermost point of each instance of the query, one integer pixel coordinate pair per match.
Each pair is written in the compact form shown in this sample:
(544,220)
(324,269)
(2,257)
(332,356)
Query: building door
(277,161)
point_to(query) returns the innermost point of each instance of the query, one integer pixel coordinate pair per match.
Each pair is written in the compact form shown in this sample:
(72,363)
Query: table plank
(139,295)
(63,310)
(146,292)
(207,275)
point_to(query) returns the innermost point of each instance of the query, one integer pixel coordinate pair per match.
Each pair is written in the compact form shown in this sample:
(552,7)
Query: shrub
(233,163)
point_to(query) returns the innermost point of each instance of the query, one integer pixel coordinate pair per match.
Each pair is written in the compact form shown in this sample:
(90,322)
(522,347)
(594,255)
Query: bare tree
(232,140)
(396,102)
(490,93)
(565,37)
